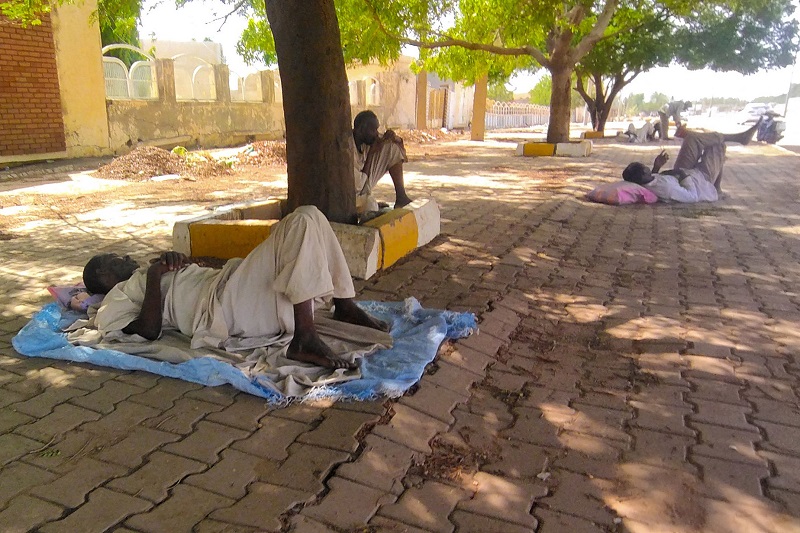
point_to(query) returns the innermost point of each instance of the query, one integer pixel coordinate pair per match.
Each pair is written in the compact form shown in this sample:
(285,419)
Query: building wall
(80,73)
(30,104)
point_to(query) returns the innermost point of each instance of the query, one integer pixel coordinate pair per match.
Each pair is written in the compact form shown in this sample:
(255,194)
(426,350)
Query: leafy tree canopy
(497,91)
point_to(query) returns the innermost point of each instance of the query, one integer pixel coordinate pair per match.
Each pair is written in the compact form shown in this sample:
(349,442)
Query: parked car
(752,112)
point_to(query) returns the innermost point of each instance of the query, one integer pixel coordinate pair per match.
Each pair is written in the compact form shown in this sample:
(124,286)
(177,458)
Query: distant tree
(541,93)
(119,24)
(497,91)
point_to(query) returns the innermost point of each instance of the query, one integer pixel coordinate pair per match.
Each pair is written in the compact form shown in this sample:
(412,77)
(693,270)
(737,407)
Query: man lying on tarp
(262,300)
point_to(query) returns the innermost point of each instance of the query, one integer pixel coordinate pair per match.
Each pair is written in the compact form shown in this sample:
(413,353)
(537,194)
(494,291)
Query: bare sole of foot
(353,314)
(311,349)
(402,202)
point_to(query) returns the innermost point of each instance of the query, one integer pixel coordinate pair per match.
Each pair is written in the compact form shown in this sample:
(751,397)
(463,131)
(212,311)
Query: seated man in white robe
(268,295)
(373,156)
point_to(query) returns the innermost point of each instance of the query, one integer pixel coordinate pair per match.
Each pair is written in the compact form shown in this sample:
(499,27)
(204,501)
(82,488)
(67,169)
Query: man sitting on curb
(373,156)
(268,297)
(697,173)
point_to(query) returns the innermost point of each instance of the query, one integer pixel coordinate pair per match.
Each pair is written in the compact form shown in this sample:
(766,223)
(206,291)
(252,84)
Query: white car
(752,112)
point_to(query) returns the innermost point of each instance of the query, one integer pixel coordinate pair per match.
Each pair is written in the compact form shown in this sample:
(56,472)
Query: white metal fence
(138,82)
(515,115)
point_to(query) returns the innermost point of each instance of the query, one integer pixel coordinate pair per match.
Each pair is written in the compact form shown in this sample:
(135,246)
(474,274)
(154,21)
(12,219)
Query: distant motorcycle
(771,128)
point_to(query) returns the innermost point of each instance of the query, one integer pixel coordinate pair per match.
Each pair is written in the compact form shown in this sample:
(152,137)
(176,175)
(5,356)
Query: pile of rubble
(264,153)
(142,163)
(429,136)
(147,162)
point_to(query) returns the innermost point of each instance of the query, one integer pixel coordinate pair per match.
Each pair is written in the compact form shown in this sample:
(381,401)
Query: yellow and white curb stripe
(582,148)
(235,230)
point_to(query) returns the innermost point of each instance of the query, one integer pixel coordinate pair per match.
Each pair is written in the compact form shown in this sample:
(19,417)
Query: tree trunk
(558,126)
(316,106)
(603,110)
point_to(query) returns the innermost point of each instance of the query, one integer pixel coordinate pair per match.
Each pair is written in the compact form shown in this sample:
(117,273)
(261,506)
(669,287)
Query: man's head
(365,128)
(637,173)
(104,271)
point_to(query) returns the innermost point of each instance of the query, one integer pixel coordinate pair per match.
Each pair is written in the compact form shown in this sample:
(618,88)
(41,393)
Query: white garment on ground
(695,187)
(641,134)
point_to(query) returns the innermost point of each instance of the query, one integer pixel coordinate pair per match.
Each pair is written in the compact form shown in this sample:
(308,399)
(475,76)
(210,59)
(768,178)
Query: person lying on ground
(268,294)
(696,175)
(373,156)
(642,134)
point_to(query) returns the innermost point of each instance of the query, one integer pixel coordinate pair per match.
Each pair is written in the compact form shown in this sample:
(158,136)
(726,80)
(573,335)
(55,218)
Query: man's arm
(148,323)
(685,192)
(660,160)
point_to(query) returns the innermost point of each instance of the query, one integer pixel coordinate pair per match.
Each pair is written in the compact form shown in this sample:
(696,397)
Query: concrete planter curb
(235,230)
(581,148)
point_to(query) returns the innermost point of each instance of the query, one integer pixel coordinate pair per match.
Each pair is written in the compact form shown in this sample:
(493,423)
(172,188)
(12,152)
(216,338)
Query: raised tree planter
(582,148)
(234,230)
(593,135)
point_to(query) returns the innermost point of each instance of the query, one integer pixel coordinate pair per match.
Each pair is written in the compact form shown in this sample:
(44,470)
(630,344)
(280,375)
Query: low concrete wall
(191,124)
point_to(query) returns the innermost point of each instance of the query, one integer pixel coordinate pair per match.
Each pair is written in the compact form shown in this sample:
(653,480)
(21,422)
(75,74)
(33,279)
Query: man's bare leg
(306,346)
(401,198)
(346,310)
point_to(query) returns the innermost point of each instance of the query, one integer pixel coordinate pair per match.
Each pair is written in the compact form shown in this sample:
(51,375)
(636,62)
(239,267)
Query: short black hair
(363,117)
(91,278)
(635,173)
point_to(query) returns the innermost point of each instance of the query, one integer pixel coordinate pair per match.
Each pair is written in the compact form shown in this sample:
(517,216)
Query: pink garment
(622,192)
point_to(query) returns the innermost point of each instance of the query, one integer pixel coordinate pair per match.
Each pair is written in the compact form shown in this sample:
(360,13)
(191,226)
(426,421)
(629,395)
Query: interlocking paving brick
(729,481)
(410,428)
(427,507)
(381,465)
(262,507)
(787,471)
(107,396)
(18,478)
(27,514)
(555,522)
(132,449)
(723,414)
(230,476)
(272,439)
(719,391)
(502,499)
(467,358)
(777,412)
(205,442)
(9,419)
(165,393)
(70,490)
(450,377)
(435,401)
(659,449)
(780,438)
(156,476)
(43,404)
(185,507)
(667,419)
(63,418)
(475,522)
(104,510)
(243,413)
(598,421)
(730,444)
(748,514)
(182,416)
(215,526)
(533,426)
(338,430)
(339,507)
(305,469)
(124,416)
(579,496)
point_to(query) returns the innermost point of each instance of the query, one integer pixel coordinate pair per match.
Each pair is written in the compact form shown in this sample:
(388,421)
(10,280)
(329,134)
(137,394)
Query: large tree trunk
(316,106)
(558,127)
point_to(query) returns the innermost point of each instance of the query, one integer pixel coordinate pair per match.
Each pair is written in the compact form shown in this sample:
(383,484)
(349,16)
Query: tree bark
(316,106)
(558,126)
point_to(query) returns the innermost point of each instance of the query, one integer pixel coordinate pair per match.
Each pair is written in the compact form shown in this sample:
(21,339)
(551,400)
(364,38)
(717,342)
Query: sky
(196,21)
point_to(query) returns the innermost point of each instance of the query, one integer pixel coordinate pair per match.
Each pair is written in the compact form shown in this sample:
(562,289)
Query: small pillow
(622,192)
(74,297)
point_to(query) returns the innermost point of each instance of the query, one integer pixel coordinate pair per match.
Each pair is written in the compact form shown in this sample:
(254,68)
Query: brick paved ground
(636,371)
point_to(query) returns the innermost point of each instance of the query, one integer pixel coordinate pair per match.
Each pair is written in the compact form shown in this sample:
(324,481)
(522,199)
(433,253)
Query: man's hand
(660,160)
(167,262)
(389,135)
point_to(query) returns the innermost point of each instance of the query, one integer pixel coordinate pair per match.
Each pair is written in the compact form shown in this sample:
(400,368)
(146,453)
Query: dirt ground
(212,177)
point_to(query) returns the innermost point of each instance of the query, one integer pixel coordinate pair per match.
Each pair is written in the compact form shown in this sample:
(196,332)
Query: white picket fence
(502,115)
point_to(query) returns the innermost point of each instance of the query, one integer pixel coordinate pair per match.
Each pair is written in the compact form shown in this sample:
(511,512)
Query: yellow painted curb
(228,238)
(592,135)
(536,149)
(399,233)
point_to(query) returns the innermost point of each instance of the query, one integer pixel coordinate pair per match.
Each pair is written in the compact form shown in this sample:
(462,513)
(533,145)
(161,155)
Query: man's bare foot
(346,310)
(402,202)
(309,348)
